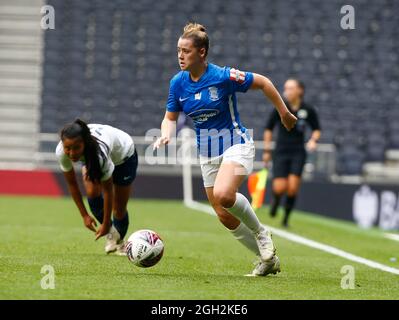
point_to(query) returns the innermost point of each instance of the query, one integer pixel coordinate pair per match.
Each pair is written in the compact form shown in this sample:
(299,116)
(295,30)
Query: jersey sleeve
(173,104)
(313,120)
(272,120)
(239,81)
(64,162)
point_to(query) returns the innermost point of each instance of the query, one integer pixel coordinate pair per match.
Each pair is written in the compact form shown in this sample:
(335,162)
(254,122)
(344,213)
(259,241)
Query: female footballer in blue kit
(206,93)
(109,168)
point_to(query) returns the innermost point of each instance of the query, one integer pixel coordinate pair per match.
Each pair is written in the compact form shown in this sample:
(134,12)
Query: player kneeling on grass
(206,93)
(109,168)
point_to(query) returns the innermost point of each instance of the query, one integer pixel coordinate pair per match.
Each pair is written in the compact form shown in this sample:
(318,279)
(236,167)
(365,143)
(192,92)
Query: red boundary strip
(38,182)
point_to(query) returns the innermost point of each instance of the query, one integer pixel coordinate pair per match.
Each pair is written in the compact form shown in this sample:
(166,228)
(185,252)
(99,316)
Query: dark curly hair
(92,150)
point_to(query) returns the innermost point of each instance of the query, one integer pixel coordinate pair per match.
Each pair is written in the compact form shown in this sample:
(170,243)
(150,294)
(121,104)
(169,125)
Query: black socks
(289,205)
(275,204)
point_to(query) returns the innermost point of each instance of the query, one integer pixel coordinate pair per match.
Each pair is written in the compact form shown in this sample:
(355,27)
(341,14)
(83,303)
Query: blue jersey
(212,105)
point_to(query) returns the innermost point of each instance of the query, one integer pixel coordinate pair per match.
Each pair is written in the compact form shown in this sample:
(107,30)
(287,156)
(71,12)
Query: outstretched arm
(168,128)
(73,187)
(267,145)
(312,143)
(262,83)
(267,140)
(108,190)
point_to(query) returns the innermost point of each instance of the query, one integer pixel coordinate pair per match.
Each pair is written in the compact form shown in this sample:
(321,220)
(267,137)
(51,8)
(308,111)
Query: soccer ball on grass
(144,248)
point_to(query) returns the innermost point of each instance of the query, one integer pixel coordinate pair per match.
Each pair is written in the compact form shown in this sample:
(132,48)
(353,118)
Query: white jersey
(120,147)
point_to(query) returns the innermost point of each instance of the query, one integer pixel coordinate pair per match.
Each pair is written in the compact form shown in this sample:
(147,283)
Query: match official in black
(289,155)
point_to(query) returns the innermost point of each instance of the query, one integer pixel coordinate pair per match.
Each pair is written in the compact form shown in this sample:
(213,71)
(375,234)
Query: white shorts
(243,154)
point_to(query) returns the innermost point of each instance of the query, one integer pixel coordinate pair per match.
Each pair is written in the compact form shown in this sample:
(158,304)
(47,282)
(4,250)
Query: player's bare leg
(121,216)
(96,203)
(279,189)
(239,230)
(230,176)
(293,185)
(94,196)
(120,220)
(244,235)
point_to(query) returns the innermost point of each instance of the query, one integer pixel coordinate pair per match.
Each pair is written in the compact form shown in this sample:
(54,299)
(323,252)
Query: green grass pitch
(201,259)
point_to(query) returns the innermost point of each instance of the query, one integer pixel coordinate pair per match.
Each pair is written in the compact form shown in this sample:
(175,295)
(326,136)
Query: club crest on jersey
(237,75)
(302,114)
(213,93)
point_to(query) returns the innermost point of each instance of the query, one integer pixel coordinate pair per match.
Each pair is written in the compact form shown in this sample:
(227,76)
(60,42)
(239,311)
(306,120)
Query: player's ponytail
(92,150)
(197,33)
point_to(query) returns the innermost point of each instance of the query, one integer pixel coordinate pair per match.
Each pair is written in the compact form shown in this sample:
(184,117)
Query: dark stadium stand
(111,61)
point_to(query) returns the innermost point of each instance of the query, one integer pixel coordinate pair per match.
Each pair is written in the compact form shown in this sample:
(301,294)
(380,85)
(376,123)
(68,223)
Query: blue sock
(121,225)
(97,207)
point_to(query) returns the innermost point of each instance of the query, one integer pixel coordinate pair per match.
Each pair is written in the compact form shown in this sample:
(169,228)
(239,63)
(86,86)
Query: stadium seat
(121,55)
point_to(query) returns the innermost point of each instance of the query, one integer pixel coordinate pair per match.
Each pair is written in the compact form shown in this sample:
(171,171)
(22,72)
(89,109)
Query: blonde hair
(197,33)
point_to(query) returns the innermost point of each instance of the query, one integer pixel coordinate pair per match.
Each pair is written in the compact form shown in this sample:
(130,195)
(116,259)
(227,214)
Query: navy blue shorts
(125,173)
(287,163)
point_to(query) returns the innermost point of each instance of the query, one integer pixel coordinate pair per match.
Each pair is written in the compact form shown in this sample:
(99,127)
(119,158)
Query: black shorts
(288,162)
(125,173)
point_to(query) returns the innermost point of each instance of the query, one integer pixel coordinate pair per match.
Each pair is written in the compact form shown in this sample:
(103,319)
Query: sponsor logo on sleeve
(237,75)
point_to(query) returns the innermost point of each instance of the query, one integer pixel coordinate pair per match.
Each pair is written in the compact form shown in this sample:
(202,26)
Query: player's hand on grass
(90,223)
(102,230)
(161,141)
(288,120)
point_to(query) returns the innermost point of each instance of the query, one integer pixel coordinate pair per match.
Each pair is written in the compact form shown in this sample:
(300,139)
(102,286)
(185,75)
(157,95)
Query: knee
(279,188)
(292,192)
(93,192)
(224,198)
(279,191)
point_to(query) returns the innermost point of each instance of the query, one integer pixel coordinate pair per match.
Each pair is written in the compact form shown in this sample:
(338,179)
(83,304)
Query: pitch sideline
(306,242)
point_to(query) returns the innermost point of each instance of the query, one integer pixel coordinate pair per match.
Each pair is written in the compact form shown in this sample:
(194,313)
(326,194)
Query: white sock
(246,237)
(243,211)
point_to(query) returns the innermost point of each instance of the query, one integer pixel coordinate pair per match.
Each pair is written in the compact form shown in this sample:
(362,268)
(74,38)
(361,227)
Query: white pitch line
(200,207)
(338,252)
(307,242)
(392,236)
